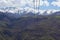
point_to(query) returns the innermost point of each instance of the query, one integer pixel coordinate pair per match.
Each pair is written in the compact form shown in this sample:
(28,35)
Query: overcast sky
(41,4)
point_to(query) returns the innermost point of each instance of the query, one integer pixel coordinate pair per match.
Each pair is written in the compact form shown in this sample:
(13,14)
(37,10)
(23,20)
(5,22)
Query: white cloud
(56,3)
(22,4)
(46,3)
(41,3)
(11,3)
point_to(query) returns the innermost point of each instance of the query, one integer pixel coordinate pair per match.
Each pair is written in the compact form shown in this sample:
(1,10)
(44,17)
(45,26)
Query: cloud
(12,3)
(56,3)
(41,3)
(20,3)
(46,3)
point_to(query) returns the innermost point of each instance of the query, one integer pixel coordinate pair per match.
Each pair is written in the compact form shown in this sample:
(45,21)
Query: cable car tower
(36,5)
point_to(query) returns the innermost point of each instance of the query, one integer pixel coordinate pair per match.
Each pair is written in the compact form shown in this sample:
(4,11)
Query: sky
(32,4)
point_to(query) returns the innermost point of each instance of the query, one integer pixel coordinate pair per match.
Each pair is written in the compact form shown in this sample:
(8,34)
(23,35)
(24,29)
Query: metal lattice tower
(37,3)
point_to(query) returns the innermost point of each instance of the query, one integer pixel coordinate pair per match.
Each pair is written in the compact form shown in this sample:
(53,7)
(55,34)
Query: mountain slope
(31,27)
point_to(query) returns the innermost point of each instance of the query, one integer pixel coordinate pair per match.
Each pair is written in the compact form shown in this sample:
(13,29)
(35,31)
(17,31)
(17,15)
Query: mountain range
(21,13)
(29,25)
(27,10)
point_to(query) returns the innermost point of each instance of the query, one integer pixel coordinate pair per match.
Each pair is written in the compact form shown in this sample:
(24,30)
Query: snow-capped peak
(27,10)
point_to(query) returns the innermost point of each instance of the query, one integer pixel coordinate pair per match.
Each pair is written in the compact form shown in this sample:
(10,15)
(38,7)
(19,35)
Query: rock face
(29,27)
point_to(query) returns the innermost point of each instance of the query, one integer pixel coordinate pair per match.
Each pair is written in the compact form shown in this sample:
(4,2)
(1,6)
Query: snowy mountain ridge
(27,10)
